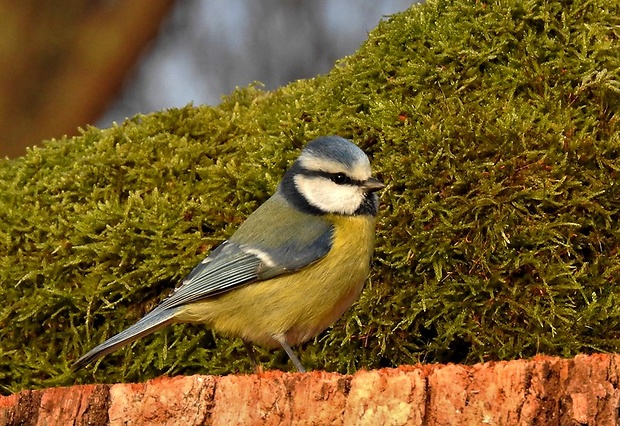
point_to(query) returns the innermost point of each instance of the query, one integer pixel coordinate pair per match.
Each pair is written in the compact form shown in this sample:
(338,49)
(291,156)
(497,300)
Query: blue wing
(234,264)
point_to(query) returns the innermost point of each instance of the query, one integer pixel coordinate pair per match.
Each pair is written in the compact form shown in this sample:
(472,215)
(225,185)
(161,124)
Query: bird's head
(332,175)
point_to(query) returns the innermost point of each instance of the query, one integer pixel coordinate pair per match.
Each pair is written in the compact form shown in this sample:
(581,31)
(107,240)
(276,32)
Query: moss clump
(496,128)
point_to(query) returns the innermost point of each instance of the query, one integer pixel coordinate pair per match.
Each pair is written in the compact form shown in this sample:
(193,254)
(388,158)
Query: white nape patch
(328,196)
(360,171)
(264,257)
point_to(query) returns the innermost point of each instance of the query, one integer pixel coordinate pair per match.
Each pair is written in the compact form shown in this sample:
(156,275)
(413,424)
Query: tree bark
(539,391)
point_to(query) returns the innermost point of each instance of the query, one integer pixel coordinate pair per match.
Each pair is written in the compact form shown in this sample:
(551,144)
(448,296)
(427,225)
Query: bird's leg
(258,369)
(282,340)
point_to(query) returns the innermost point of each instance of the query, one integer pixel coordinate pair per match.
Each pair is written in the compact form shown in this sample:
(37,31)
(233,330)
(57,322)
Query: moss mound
(496,128)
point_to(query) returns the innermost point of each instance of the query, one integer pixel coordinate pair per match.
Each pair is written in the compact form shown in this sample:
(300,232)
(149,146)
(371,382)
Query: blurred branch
(61,65)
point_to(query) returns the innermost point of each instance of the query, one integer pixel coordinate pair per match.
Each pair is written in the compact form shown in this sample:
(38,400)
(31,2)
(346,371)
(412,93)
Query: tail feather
(147,325)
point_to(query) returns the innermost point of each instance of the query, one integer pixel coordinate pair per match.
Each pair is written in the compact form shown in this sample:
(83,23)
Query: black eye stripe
(338,178)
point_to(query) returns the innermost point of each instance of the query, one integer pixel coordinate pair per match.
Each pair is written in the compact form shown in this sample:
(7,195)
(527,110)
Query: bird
(291,269)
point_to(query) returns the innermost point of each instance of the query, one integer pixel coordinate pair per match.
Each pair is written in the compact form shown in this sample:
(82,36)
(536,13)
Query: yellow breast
(298,305)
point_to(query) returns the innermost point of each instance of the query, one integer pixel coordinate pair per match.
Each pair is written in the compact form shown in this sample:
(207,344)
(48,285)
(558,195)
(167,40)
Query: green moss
(495,127)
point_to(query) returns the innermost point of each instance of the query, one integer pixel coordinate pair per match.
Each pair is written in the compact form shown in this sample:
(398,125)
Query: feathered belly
(298,305)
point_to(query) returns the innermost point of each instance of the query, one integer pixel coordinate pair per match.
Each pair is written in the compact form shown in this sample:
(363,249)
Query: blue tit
(291,269)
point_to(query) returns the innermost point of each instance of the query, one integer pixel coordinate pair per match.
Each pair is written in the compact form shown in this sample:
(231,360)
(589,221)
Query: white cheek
(329,197)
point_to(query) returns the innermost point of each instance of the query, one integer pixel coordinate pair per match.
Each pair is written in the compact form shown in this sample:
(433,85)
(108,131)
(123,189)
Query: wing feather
(233,264)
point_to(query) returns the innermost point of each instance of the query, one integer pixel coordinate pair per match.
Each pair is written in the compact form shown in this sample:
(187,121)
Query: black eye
(340,178)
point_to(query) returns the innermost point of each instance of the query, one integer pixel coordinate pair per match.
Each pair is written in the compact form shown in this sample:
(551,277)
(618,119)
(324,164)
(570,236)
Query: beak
(371,185)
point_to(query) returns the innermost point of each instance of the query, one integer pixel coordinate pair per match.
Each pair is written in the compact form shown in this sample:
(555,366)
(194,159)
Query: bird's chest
(338,278)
